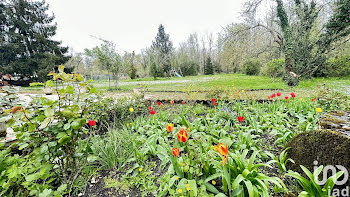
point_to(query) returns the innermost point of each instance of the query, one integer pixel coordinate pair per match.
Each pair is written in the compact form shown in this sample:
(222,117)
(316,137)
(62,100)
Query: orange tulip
(171,102)
(176,152)
(170,127)
(223,150)
(182,135)
(224,159)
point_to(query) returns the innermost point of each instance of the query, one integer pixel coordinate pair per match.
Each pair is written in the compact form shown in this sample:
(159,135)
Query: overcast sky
(133,24)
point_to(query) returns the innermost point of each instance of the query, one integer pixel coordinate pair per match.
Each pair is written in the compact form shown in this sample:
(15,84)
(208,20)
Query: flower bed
(82,145)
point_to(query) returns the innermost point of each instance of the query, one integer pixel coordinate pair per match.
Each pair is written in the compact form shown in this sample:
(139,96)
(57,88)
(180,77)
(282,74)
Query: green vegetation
(163,149)
(213,117)
(26,43)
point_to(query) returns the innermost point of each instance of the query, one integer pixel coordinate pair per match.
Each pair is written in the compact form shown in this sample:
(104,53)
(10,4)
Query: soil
(99,189)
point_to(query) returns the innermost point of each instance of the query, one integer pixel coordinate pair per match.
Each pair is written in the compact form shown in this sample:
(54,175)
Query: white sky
(133,24)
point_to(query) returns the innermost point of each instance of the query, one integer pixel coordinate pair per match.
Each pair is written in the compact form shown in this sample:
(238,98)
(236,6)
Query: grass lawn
(207,83)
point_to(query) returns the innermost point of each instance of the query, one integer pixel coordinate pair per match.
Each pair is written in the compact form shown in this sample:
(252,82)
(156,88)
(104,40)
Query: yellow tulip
(131,109)
(319,110)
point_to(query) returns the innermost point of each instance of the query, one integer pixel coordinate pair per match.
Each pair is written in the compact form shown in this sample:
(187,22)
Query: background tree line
(293,40)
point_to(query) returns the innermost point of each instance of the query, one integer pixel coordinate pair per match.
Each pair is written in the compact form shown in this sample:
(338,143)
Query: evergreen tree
(132,68)
(208,67)
(304,50)
(163,44)
(26,46)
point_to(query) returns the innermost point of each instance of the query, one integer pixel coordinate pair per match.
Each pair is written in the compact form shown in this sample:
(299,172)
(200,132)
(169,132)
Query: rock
(3,129)
(93,180)
(321,147)
(47,91)
(336,121)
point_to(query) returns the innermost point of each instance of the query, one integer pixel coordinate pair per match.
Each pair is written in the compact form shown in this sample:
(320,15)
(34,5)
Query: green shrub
(338,67)
(251,67)
(49,135)
(274,68)
(189,69)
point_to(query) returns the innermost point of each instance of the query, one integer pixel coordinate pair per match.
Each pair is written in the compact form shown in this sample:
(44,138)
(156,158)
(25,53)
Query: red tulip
(240,118)
(273,95)
(92,123)
(182,135)
(313,100)
(292,94)
(286,97)
(159,103)
(214,103)
(269,97)
(278,93)
(176,152)
(150,108)
(183,102)
(213,100)
(152,112)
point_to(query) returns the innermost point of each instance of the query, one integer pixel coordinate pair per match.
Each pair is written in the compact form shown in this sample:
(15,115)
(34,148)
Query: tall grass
(114,149)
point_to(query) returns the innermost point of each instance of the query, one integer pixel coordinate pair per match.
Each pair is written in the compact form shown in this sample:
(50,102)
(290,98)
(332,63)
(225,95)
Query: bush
(338,67)
(274,68)
(189,69)
(49,133)
(252,67)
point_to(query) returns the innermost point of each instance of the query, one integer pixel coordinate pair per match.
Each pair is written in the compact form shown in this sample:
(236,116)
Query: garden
(84,144)
(244,98)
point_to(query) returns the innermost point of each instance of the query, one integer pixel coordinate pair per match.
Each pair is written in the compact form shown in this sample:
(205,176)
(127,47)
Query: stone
(93,181)
(321,147)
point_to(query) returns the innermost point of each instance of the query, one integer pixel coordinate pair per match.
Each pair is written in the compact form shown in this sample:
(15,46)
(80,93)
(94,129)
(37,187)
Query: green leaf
(75,125)
(61,188)
(64,140)
(50,83)
(10,123)
(214,176)
(67,113)
(193,186)
(44,148)
(211,188)
(25,145)
(220,195)
(45,193)
(61,68)
(32,177)
(45,123)
(49,112)
(70,90)
(66,126)
(80,78)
